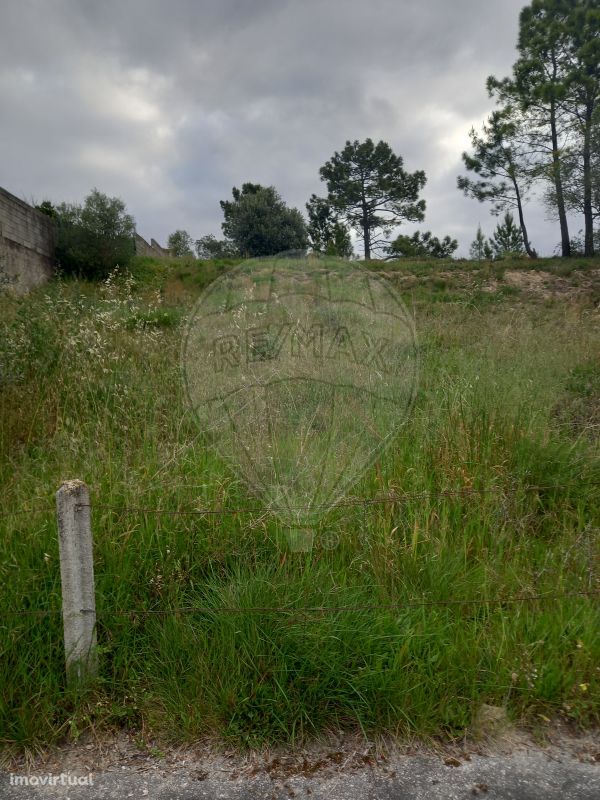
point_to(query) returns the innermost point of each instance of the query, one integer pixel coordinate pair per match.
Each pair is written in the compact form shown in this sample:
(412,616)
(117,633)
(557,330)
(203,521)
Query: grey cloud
(169,104)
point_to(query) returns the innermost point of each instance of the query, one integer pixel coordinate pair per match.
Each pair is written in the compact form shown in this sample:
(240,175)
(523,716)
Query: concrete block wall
(27,239)
(26,243)
(162,250)
(154,250)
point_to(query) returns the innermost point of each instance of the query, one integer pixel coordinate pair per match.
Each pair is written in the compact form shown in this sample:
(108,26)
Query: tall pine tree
(370,189)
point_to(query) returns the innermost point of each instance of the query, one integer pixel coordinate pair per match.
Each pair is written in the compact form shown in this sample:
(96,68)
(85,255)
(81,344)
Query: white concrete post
(77,579)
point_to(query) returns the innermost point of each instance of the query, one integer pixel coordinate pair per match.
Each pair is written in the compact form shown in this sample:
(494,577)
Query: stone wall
(26,243)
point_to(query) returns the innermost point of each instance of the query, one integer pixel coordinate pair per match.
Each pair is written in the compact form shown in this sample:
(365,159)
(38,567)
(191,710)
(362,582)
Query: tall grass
(90,389)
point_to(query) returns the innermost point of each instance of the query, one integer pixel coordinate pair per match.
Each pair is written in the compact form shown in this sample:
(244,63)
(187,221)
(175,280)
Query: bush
(258,222)
(94,239)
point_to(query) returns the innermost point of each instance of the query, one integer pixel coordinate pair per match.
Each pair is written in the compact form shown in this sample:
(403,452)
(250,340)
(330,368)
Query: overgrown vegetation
(90,389)
(94,238)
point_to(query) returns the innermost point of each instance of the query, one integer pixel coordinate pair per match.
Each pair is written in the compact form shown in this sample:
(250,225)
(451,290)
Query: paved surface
(522,775)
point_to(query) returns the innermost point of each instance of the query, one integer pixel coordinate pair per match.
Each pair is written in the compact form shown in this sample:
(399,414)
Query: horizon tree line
(545,130)
(544,133)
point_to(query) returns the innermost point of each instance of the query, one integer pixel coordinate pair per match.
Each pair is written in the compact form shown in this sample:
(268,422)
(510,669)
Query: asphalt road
(523,775)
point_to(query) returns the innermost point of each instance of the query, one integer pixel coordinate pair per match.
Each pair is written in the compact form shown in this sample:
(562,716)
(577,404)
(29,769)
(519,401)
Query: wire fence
(310,610)
(316,611)
(389,498)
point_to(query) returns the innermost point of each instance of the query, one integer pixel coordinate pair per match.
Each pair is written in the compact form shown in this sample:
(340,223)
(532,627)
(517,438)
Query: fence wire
(309,610)
(392,498)
(382,499)
(385,499)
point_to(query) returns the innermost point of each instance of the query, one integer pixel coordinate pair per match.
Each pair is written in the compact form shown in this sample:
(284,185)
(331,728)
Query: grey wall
(27,240)
(142,248)
(26,243)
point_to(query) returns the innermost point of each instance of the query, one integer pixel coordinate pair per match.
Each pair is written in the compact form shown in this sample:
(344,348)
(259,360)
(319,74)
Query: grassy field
(508,399)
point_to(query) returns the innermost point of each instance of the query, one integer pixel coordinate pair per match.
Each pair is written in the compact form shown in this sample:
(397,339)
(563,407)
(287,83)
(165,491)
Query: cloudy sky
(170,104)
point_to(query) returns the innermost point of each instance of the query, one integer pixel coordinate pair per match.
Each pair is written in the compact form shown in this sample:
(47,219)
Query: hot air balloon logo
(304,372)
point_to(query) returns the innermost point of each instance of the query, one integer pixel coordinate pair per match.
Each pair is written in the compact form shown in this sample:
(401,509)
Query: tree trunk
(556,174)
(588,215)
(366,231)
(528,248)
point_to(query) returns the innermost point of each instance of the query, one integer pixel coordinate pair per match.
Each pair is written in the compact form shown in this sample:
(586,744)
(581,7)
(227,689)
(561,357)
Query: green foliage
(422,245)
(258,222)
(209,247)
(121,423)
(540,86)
(326,233)
(46,207)
(180,243)
(494,161)
(369,188)
(578,243)
(153,318)
(96,238)
(507,239)
(541,74)
(6,280)
(502,165)
(480,247)
(556,86)
(572,176)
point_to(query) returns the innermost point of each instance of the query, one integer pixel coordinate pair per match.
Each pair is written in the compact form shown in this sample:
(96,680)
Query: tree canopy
(94,238)
(372,192)
(555,84)
(180,243)
(503,166)
(209,246)
(258,222)
(326,233)
(422,245)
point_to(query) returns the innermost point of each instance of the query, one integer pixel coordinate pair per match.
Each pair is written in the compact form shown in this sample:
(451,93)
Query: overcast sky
(170,104)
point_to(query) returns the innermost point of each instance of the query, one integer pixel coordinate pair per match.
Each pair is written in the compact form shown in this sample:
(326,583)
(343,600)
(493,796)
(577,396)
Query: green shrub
(94,239)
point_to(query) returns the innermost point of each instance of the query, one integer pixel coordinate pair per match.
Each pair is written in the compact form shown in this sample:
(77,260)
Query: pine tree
(480,249)
(502,167)
(326,233)
(422,245)
(371,191)
(507,239)
(556,87)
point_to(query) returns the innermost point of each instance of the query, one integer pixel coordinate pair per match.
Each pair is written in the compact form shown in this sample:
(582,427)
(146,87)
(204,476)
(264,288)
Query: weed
(91,390)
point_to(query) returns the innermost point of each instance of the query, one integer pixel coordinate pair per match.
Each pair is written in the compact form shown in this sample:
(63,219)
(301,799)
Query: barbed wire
(305,610)
(389,498)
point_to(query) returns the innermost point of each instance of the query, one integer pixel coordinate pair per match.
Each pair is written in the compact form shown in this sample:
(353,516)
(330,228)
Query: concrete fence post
(77,580)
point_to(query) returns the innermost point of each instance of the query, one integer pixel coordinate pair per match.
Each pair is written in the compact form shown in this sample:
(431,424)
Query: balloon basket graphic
(300,540)
(301,371)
